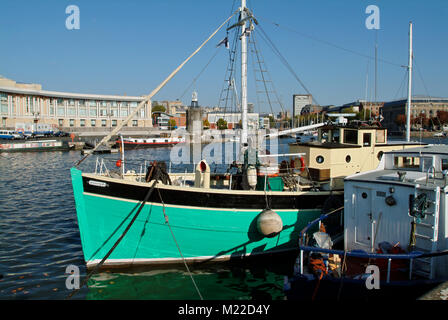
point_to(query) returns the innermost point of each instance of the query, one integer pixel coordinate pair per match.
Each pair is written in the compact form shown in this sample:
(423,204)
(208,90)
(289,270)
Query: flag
(224,41)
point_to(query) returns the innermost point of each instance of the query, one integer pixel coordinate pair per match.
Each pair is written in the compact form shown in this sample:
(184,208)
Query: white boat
(149,142)
(395,224)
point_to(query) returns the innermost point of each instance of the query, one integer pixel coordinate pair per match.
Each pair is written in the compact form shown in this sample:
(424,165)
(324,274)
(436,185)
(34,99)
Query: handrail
(361,254)
(312,223)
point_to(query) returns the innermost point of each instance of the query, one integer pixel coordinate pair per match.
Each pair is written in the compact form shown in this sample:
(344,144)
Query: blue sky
(129,47)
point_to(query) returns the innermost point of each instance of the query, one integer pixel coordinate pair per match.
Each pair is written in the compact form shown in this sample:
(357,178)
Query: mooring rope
(178,248)
(98,266)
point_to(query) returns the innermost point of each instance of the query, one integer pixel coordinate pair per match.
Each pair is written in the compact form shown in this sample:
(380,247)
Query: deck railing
(411,256)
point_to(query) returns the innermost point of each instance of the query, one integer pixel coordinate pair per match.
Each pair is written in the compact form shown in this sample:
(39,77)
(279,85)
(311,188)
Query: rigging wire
(200,73)
(402,85)
(259,57)
(265,37)
(330,43)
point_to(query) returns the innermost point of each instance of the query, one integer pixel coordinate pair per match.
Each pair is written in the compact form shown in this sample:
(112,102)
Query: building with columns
(28,103)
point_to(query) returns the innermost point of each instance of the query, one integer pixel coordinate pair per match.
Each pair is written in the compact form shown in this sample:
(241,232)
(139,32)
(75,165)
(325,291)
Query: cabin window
(367,139)
(380,136)
(319,159)
(351,136)
(444,164)
(406,162)
(348,159)
(335,136)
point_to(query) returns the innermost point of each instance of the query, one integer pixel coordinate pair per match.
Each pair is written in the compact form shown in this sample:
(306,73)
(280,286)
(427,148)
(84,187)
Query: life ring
(302,164)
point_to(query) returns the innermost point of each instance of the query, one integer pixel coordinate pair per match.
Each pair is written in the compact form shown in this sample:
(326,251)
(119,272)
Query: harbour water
(39,238)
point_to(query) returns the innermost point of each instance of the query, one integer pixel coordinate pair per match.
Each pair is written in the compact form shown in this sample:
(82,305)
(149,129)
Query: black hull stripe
(207,199)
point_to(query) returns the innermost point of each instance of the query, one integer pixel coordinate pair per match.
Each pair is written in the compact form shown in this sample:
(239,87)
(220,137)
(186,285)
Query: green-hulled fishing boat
(208,219)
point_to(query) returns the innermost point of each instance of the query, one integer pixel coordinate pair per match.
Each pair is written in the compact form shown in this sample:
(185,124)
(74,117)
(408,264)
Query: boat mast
(243,140)
(408,108)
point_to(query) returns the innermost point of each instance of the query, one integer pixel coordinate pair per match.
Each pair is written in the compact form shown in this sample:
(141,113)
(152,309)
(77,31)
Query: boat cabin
(403,203)
(342,150)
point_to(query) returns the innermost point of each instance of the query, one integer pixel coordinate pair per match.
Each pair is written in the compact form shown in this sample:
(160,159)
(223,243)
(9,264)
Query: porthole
(319,159)
(348,159)
(380,155)
(364,195)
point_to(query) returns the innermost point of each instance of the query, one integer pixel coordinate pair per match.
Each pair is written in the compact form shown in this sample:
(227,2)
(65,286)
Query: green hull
(202,234)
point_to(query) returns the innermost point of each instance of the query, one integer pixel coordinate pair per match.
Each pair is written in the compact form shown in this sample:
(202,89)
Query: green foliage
(171,123)
(221,124)
(158,108)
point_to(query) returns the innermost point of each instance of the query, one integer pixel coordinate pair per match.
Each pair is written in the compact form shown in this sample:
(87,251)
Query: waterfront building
(394,112)
(233,120)
(28,103)
(298,102)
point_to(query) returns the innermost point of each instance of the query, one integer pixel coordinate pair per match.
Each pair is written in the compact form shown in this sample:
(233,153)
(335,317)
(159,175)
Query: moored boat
(149,142)
(394,226)
(196,217)
(37,145)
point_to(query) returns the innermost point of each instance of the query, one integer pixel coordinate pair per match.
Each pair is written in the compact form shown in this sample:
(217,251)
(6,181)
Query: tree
(400,120)
(221,124)
(172,124)
(442,116)
(158,108)
(205,123)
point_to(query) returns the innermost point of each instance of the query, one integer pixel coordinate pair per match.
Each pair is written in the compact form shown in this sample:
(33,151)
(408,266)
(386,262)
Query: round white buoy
(269,223)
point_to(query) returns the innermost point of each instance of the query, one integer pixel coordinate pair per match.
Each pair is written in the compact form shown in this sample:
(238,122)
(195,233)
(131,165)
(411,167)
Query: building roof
(11,86)
(416,99)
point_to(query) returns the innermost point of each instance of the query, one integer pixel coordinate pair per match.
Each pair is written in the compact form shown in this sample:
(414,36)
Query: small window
(319,159)
(380,136)
(72,122)
(348,159)
(444,164)
(366,139)
(103,123)
(351,136)
(93,123)
(407,162)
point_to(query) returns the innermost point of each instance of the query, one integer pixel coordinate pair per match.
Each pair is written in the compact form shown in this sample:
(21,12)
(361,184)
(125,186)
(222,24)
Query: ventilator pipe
(202,175)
